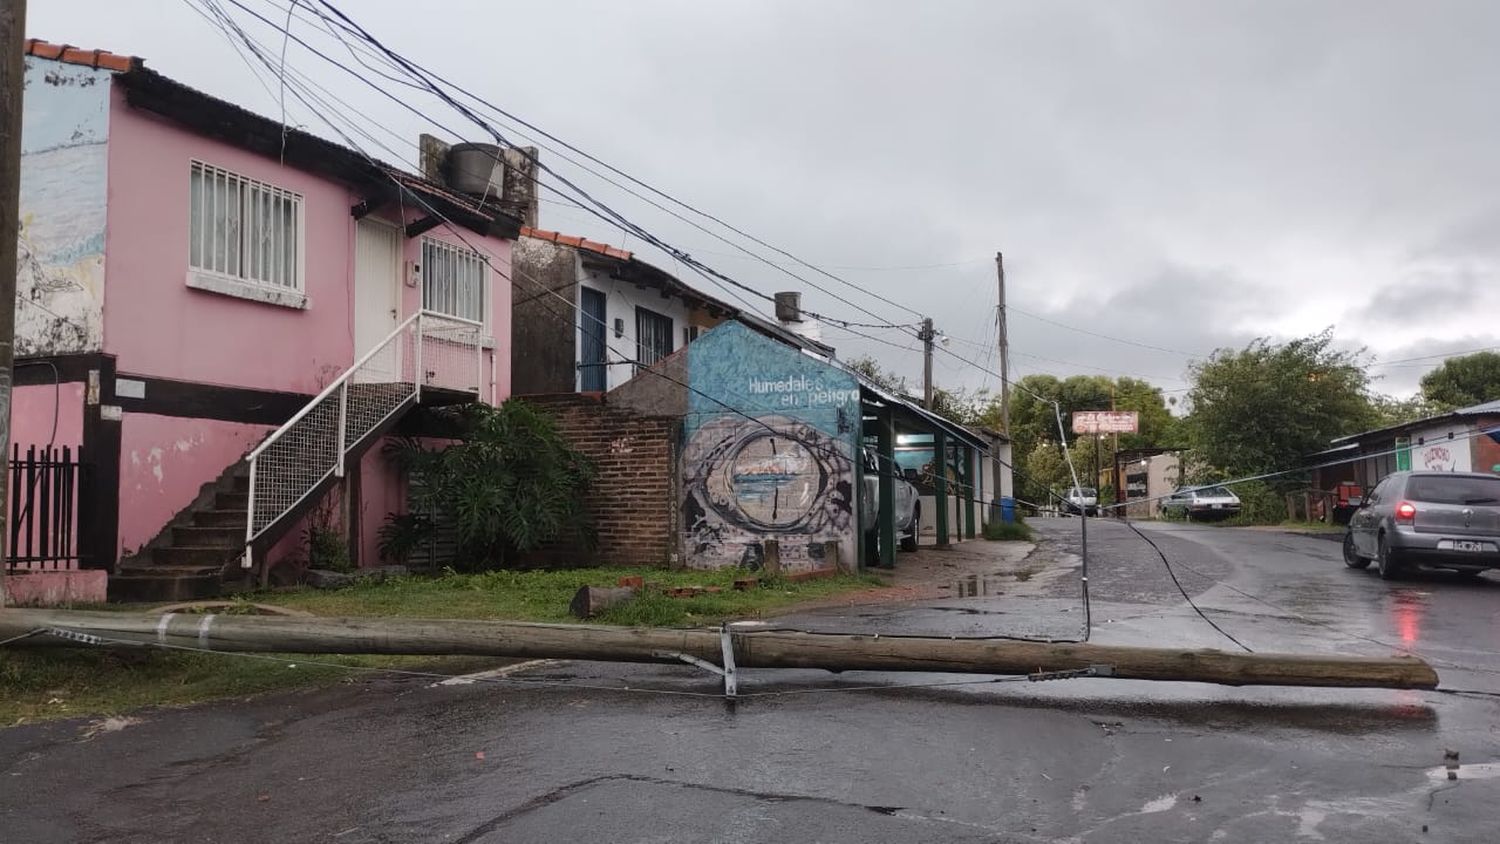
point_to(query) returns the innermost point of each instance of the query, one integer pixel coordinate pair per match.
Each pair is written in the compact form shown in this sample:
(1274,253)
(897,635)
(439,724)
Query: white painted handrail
(291,463)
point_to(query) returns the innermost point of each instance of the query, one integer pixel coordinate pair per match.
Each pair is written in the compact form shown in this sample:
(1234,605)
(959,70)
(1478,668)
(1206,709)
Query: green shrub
(510,485)
(998,531)
(1260,504)
(327,545)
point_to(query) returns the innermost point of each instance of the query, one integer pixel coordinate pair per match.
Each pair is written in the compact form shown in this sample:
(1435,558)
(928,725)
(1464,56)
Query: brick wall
(634,496)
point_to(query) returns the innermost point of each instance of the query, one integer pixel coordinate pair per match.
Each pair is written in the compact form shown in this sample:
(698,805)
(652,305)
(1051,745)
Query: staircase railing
(427,351)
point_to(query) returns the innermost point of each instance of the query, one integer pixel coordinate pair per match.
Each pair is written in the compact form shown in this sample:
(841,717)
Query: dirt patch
(929,573)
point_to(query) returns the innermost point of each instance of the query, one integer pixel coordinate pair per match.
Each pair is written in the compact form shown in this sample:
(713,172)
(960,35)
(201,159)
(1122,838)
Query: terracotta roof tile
(73,55)
(579,242)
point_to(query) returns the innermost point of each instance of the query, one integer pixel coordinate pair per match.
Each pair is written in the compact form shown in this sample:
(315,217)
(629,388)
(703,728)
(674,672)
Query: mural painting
(776,463)
(60,261)
(1487,446)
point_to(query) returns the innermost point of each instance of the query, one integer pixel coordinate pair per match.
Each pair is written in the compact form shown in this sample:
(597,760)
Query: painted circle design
(777,481)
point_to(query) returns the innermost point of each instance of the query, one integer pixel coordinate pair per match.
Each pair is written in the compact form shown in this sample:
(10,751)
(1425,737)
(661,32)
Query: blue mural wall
(60,266)
(770,438)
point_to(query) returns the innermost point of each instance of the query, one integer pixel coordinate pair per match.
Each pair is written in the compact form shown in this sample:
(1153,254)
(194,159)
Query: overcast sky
(1186,175)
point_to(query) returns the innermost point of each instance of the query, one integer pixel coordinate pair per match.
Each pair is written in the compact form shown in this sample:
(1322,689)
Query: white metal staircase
(429,351)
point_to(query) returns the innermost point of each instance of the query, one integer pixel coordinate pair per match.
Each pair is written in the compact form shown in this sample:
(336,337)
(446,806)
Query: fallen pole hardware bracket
(731,681)
(74,636)
(1091,671)
(691,660)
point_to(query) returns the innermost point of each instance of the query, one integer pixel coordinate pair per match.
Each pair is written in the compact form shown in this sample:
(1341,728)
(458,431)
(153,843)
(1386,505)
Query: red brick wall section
(633,500)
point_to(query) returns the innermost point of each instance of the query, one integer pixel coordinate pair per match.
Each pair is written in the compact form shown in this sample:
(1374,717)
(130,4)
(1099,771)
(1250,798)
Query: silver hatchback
(1447,520)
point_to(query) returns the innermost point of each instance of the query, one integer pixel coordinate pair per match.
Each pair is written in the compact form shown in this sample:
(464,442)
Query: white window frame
(461,253)
(237,280)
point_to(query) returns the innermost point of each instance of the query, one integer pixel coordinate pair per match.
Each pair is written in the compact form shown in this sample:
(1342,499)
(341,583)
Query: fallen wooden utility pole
(770,649)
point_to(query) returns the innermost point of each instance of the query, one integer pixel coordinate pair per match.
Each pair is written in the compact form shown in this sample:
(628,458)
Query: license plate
(1464,545)
(1215,506)
(1355,501)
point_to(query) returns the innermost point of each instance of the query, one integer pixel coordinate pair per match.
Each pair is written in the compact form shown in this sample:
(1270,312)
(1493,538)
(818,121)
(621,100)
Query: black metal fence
(45,485)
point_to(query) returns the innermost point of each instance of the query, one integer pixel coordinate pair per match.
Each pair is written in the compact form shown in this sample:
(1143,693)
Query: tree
(1265,407)
(510,485)
(1389,411)
(871,369)
(1034,425)
(1463,381)
(960,405)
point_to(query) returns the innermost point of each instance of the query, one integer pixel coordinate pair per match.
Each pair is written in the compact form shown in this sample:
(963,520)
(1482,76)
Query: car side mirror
(910,475)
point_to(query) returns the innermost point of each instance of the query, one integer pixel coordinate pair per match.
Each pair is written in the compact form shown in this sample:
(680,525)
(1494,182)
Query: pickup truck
(908,506)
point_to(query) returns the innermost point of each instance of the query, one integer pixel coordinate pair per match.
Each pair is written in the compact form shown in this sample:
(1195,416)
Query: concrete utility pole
(925,335)
(1004,349)
(12,83)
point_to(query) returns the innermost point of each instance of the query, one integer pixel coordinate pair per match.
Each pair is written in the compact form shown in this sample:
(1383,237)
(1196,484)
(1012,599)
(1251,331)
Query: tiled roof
(581,243)
(73,55)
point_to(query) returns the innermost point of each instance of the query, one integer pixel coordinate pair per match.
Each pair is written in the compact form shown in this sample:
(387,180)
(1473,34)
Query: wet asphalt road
(1072,760)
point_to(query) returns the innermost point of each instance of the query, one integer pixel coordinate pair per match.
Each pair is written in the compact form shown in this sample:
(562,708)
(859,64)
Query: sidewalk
(973,589)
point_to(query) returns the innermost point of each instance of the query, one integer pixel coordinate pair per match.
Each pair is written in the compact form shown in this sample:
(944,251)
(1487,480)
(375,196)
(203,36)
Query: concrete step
(226,536)
(232,501)
(221,518)
(141,568)
(192,555)
(151,585)
(241,483)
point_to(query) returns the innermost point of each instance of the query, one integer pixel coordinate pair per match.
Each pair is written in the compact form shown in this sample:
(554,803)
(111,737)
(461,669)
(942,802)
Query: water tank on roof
(476,169)
(789,306)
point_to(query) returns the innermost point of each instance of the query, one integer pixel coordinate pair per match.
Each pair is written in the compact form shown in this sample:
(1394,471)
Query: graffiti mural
(770,439)
(60,262)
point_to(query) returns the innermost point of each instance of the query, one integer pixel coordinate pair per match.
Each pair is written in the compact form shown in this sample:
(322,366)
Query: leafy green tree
(884,378)
(1463,381)
(1034,425)
(1390,411)
(510,485)
(1264,407)
(959,405)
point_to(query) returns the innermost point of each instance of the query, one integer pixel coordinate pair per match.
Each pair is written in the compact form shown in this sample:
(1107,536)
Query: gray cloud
(1182,174)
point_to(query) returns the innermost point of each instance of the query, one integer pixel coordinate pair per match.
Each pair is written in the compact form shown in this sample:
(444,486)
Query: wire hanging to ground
(1185,596)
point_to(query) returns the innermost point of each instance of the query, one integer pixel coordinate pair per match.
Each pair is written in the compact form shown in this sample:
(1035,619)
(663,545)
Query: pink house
(225,318)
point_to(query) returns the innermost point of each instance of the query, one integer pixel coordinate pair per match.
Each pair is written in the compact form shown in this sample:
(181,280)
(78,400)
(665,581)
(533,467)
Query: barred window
(453,281)
(653,336)
(244,230)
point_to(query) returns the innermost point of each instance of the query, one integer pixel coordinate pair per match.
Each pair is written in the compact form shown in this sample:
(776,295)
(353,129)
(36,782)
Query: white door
(377,306)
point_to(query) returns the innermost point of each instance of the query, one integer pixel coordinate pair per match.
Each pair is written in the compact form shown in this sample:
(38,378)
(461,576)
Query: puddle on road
(1478,771)
(987,585)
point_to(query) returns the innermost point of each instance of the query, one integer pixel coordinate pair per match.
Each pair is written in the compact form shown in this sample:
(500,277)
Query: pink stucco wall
(164,460)
(33,409)
(157,326)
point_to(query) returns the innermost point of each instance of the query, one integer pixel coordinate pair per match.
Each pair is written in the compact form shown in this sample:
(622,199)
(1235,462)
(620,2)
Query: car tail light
(1406,513)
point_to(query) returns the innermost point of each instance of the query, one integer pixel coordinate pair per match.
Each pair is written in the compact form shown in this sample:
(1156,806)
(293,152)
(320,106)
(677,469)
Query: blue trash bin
(1007,509)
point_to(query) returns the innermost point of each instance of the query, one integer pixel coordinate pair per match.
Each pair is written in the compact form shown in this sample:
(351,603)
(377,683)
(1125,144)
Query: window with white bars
(244,230)
(453,281)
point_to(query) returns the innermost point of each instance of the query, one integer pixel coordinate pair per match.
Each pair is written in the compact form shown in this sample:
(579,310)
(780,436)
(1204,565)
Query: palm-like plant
(511,484)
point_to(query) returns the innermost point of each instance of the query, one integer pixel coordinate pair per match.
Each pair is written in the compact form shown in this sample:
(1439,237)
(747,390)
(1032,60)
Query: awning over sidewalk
(890,418)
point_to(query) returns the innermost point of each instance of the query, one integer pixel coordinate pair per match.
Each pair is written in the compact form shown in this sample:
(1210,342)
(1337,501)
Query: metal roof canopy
(1483,409)
(917,416)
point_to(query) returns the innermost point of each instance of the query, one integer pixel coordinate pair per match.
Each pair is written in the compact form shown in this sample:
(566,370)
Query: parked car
(1082,501)
(1205,502)
(907,504)
(1446,520)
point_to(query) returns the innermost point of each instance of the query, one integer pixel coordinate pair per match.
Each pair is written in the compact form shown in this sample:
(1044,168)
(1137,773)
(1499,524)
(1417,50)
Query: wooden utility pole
(832,652)
(926,334)
(12,84)
(1004,349)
